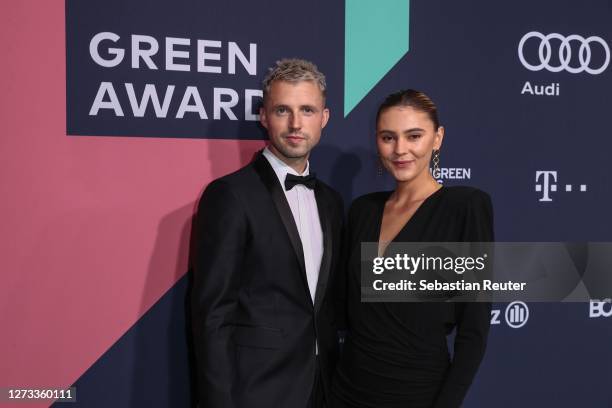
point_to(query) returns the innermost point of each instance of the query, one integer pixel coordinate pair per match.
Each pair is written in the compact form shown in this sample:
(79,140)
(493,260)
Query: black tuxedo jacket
(254,321)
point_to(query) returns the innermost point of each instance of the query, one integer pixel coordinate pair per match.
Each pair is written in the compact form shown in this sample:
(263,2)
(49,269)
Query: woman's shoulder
(370,200)
(367,204)
(473,209)
(465,195)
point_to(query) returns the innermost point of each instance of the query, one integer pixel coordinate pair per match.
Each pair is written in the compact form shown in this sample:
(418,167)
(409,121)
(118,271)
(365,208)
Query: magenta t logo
(547,185)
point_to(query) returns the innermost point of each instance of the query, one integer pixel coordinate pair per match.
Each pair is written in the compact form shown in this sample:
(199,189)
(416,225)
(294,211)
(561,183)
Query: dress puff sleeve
(473,319)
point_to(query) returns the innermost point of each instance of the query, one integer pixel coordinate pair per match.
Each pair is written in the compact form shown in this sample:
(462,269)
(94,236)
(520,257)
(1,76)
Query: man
(268,240)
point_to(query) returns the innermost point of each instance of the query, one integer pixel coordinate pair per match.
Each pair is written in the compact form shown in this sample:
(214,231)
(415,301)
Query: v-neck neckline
(381,214)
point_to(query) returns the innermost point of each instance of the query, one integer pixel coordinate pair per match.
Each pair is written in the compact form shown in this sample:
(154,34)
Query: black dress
(396,354)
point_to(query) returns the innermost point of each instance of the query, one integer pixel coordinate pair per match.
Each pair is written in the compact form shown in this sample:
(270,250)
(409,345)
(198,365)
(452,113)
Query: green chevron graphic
(375,38)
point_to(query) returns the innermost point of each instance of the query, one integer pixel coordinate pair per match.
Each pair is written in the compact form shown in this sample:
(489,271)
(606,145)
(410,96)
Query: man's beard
(290,152)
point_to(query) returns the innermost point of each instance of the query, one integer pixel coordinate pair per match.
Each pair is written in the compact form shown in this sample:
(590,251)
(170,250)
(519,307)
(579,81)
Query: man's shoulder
(238,185)
(237,179)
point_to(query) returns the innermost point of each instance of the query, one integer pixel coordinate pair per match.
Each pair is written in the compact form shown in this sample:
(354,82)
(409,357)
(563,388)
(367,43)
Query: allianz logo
(515,316)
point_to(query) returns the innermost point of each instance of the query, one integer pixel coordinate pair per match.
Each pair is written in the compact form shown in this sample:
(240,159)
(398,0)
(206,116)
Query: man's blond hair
(294,70)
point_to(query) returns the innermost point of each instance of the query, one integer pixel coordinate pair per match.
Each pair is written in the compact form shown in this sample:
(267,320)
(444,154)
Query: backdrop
(116,114)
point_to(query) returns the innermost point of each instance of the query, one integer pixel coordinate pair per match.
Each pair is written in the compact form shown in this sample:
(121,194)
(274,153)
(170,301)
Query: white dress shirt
(303,206)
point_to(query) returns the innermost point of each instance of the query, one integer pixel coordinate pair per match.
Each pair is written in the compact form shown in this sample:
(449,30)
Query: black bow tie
(291,180)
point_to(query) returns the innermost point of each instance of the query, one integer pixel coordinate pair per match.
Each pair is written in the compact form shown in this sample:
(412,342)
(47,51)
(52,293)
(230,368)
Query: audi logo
(565,53)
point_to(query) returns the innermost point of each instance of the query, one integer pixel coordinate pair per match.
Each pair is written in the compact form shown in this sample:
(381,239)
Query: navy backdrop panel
(537,141)
(271,25)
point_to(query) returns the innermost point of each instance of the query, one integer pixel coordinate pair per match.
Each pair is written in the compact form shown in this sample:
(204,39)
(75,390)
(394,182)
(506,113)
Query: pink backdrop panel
(94,229)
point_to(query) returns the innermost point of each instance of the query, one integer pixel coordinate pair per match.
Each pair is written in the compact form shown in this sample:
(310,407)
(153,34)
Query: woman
(395,354)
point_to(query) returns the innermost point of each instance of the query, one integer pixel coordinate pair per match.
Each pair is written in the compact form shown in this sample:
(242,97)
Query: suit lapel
(270,180)
(325,219)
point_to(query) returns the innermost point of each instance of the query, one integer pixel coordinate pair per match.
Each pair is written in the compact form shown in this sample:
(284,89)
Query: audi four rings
(565,53)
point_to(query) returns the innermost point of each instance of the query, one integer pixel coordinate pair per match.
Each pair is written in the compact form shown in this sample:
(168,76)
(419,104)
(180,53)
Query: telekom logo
(546,183)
